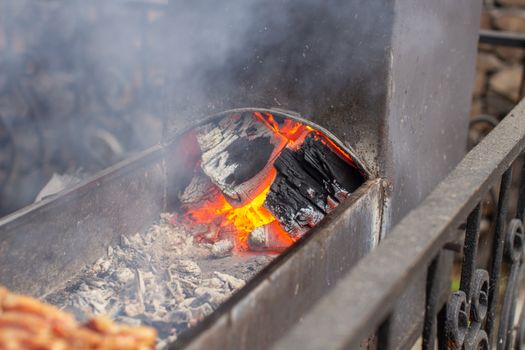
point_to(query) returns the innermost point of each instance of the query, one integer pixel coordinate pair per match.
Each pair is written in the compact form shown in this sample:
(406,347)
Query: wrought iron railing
(481,314)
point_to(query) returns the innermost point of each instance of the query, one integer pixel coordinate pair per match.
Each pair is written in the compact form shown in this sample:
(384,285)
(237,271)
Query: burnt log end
(310,183)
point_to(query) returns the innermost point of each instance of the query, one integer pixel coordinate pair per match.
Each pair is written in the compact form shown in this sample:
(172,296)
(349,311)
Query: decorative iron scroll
(470,320)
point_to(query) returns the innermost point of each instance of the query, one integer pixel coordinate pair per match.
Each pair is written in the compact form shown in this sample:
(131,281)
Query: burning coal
(262,181)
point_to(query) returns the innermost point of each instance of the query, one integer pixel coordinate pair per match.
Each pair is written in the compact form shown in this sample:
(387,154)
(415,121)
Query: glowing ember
(238,222)
(225,220)
(291,130)
(295,133)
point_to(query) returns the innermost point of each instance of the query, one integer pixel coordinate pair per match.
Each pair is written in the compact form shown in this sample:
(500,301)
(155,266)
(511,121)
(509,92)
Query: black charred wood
(291,167)
(336,174)
(293,210)
(310,182)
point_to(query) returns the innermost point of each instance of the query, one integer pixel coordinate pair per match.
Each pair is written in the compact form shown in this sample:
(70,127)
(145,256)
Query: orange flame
(242,220)
(239,222)
(290,129)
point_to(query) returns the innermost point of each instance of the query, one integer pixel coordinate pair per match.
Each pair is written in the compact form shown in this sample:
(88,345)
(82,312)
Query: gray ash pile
(160,278)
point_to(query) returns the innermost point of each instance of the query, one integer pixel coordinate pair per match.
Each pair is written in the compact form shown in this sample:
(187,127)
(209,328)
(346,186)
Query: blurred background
(499,69)
(76,94)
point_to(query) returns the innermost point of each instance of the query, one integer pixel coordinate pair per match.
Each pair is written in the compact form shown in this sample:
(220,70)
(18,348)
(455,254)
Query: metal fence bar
(366,296)
(432,302)
(502,38)
(470,249)
(497,251)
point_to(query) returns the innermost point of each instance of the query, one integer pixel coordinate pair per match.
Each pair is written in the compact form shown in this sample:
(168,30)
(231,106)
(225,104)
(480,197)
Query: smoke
(303,55)
(83,84)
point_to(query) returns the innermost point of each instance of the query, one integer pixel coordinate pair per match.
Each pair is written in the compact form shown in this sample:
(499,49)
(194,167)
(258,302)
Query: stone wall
(499,69)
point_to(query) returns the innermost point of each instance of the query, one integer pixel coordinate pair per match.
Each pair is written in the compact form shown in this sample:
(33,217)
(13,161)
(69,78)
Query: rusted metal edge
(368,293)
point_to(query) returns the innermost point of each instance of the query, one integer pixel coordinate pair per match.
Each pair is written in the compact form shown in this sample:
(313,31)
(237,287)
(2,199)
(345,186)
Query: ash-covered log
(199,192)
(237,154)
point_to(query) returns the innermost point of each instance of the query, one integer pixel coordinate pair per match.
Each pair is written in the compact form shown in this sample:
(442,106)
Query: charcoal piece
(287,203)
(337,175)
(236,152)
(310,182)
(290,165)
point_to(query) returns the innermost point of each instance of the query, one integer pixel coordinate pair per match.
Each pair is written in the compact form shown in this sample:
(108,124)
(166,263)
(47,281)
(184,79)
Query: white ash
(308,217)
(162,279)
(222,248)
(258,239)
